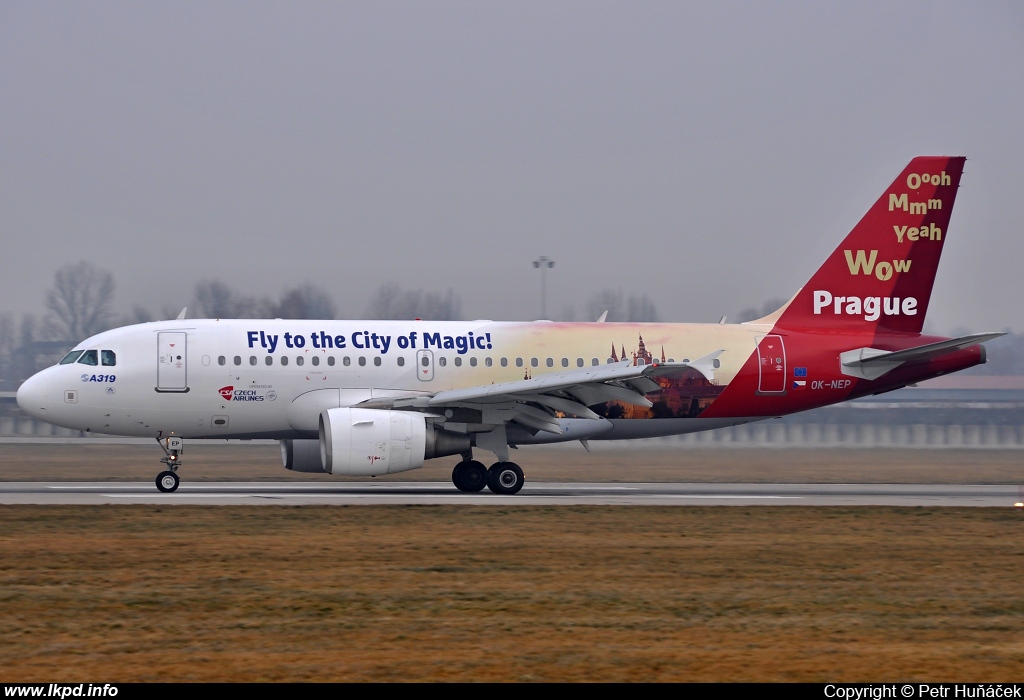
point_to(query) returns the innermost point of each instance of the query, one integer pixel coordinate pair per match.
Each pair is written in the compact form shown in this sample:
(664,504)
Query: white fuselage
(257,378)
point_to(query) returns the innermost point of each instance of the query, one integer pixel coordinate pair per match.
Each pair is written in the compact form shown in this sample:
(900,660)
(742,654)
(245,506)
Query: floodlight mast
(543,262)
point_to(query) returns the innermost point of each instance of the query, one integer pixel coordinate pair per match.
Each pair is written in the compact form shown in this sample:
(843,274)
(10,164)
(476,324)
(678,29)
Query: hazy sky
(710,155)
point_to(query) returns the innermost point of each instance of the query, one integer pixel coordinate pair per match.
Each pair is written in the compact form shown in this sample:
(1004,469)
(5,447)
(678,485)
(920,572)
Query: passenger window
(425,361)
(299,360)
(550,362)
(108,358)
(252,360)
(315,360)
(284,360)
(269,360)
(362,361)
(565,362)
(443,361)
(346,361)
(458,362)
(472,362)
(533,362)
(579,361)
(610,360)
(376,361)
(222,360)
(88,358)
(504,362)
(487,361)
(519,362)
(595,362)
(401,361)
(330,361)
(71,357)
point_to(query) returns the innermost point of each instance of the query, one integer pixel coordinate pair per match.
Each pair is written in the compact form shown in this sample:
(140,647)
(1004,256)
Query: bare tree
(215,299)
(29,330)
(636,309)
(8,342)
(80,302)
(305,302)
(392,302)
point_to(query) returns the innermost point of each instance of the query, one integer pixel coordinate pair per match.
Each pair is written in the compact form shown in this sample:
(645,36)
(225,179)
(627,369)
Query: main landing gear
(167,481)
(504,478)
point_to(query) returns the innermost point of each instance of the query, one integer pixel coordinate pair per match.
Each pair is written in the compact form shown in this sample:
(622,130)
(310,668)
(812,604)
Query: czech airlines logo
(229,393)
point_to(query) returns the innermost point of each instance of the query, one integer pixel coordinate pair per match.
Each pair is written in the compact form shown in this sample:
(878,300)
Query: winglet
(708,364)
(602,317)
(182,314)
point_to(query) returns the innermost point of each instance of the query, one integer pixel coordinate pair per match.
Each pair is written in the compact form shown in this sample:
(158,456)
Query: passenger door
(172,358)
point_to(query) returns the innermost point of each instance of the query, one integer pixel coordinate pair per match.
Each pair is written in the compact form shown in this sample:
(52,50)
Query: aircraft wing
(531,402)
(872,363)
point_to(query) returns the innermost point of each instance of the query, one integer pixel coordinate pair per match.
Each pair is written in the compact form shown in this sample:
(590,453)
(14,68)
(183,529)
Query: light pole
(543,262)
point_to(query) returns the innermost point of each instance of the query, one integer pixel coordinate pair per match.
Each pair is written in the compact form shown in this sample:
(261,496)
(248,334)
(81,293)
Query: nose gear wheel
(167,482)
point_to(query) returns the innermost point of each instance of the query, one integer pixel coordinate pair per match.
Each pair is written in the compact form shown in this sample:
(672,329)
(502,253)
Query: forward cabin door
(771,363)
(171,370)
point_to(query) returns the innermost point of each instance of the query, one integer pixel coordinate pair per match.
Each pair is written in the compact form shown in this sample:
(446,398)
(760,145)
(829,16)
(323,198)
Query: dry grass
(262,462)
(130,593)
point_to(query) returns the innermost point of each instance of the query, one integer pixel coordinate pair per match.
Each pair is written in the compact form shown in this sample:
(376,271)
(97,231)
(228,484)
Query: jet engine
(302,456)
(369,442)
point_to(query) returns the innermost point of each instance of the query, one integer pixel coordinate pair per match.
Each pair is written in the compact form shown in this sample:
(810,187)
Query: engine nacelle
(368,442)
(302,456)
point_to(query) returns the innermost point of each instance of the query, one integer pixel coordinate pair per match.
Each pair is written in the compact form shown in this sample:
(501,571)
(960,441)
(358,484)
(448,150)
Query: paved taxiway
(539,493)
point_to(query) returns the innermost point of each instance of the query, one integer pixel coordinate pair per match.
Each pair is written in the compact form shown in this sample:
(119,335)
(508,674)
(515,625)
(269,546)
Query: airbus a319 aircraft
(380,397)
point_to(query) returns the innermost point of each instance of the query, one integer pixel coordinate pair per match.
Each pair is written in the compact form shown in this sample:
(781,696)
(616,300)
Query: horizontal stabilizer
(872,363)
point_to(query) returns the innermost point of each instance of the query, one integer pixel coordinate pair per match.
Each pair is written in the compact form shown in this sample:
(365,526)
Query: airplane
(381,397)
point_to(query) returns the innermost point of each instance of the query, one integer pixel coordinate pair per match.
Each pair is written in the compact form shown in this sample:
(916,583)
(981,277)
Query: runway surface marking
(545,493)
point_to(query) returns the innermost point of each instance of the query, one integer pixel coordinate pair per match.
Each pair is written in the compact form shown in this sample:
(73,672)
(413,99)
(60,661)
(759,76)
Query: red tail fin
(882,273)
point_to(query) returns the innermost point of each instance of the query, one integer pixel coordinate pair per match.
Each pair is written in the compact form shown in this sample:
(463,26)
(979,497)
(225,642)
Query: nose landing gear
(167,481)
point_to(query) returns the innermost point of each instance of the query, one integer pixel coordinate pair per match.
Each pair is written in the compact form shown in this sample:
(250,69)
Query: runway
(533,494)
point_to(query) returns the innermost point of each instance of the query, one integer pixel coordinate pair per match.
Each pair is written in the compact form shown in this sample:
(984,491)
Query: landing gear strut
(167,481)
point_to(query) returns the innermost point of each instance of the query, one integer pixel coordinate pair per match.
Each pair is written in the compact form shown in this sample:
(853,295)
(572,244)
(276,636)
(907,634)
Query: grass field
(116,593)
(135,593)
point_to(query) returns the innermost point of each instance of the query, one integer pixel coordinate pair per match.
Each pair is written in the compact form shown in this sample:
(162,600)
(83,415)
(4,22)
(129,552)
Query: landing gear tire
(505,478)
(469,476)
(167,482)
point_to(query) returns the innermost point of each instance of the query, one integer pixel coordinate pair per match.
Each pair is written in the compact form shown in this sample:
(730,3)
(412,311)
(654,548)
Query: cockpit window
(71,357)
(108,358)
(89,358)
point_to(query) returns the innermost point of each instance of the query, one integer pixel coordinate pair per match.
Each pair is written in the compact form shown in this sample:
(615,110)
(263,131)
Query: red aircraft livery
(379,397)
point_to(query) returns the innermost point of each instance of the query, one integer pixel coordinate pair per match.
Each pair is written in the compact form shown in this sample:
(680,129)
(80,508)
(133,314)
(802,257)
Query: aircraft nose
(32,396)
